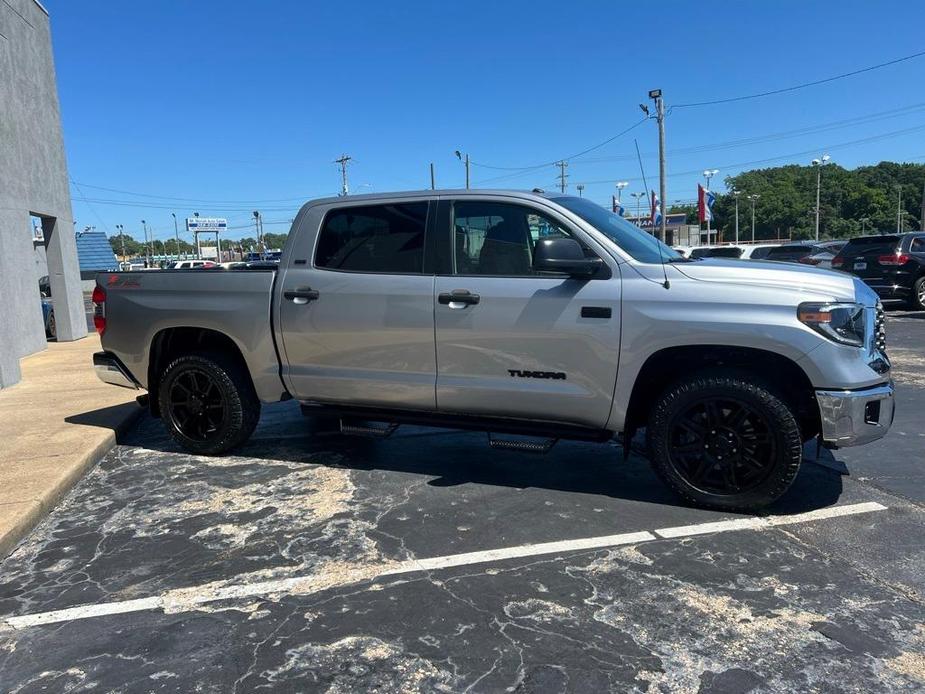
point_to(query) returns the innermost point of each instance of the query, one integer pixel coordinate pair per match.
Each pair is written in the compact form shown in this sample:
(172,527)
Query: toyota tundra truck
(531,316)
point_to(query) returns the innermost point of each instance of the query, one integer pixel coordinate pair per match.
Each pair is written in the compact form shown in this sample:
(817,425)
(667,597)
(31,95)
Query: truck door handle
(462,297)
(301,295)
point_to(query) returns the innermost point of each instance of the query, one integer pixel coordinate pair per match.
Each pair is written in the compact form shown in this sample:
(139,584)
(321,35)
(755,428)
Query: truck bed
(141,305)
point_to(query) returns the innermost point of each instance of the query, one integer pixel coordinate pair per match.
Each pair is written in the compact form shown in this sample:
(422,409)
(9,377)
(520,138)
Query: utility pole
(736,194)
(344,188)
(176,232)
(922,213)
(563,177)
(459,155)
(433,179)
(656,95)
(257,225)
(753,198)
(581,190)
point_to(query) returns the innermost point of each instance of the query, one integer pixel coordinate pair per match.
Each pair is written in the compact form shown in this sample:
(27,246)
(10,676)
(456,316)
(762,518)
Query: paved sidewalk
(54,425)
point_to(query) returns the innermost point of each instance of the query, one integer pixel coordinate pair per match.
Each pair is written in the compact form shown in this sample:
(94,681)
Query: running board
(541,447)
(372,431)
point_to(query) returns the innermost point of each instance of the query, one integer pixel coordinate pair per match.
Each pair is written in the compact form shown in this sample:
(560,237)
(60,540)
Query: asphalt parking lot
(425,562)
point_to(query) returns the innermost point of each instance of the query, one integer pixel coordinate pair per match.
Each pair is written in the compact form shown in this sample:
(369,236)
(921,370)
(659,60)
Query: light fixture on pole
(753,197)
(638,197)
(708,174)
(459,155)
(176,232)
(819,163)
(581,189)
(620,186)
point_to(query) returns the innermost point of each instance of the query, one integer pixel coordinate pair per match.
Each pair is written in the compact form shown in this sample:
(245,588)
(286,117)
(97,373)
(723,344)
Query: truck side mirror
(564,255)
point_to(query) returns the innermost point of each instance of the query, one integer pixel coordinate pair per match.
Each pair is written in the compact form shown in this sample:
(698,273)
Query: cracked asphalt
(275,562)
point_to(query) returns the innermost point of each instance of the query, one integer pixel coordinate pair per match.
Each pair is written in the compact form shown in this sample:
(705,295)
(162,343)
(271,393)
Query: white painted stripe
(190,599)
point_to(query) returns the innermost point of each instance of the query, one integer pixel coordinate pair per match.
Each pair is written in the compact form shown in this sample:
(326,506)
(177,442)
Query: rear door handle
(462,297)
(301,295)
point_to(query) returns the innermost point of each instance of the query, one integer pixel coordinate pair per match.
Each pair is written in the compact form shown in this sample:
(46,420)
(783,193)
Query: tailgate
(861,257)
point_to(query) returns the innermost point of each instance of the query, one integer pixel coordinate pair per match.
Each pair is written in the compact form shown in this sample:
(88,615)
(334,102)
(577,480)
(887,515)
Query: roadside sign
(206,224)
(209,252)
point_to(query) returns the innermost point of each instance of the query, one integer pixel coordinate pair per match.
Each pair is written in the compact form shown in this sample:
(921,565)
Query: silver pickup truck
(531,316)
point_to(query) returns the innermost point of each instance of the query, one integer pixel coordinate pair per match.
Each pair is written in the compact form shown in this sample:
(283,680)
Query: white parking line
(190,599)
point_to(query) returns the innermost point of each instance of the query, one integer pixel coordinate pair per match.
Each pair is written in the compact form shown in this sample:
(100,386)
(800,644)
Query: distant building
(36,221)
(94,254)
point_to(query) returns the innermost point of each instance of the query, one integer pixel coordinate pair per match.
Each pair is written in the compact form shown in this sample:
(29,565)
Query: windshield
(643,246)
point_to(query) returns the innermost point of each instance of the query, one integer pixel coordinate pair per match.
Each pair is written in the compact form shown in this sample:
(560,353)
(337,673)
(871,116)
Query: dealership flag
(656,210)
(617,206)
(705,200)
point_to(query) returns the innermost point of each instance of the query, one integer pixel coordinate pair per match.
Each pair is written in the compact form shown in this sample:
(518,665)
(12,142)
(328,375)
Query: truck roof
(456,192)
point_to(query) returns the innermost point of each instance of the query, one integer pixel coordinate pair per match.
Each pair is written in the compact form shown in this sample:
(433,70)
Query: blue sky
(223,107)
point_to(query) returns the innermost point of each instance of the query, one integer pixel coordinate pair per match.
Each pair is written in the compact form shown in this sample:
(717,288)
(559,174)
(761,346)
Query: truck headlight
(840,322)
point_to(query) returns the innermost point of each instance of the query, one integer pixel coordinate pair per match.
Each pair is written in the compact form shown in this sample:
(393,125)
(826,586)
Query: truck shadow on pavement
(453,458)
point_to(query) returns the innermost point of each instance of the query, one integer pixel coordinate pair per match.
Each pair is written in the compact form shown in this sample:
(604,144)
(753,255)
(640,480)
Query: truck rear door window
(374,238)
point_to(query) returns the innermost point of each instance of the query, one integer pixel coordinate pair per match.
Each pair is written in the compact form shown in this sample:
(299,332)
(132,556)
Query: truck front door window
(498,239)
(375,238)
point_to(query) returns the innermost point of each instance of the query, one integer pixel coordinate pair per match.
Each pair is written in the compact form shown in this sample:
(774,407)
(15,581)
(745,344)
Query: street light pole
(148,250)
(819,163)
(620,186)
(735,194)
(899,211)
(753,198)
(176,232)
(638,196)
(656,95)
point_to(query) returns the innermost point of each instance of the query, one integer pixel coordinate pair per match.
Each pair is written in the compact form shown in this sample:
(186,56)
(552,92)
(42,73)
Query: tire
(917,302)
(208,403)
(730,413)
(52,330)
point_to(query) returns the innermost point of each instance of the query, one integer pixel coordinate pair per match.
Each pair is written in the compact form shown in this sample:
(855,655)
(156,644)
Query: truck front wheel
(724,441)
(208,403)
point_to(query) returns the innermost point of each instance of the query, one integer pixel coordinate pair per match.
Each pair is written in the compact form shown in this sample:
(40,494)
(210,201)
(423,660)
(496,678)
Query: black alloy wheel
(197,405)
(724,439)
(722,446)
(208,402)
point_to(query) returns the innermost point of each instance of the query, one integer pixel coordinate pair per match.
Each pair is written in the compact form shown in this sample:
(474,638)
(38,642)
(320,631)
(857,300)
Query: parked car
(823,253)
(48,316)
(716,252)
(790,252)
(892,264)
(510,312)
(191,264)
(757,251)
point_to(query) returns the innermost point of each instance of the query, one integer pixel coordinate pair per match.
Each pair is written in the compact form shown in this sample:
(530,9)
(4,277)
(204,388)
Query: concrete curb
(30,514)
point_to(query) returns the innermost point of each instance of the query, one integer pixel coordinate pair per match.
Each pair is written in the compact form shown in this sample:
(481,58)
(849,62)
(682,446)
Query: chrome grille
(880,329)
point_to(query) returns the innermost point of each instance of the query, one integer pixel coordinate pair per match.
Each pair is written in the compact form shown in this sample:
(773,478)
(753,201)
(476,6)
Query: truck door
(515,342)
(356,313)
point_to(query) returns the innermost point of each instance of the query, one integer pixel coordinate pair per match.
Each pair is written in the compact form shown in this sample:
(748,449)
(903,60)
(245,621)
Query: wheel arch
(780,373)
(170,343)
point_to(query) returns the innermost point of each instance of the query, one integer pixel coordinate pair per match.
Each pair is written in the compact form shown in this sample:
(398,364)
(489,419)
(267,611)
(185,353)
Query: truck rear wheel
(208,403)
(723,441)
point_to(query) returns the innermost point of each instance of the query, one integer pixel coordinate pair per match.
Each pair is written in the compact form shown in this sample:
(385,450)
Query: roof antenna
(666,284)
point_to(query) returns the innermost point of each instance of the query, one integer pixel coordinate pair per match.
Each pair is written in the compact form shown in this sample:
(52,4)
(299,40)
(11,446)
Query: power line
(555,162)
(801,86)
(194,200)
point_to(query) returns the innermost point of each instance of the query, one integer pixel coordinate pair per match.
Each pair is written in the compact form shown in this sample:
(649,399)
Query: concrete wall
(33,180)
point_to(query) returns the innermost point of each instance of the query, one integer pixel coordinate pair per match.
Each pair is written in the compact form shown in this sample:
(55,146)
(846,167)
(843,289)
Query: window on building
(374,238)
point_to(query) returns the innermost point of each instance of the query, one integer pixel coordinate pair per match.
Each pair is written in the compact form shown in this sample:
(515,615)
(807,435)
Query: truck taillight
(99,309)
(893,259)
(838,261)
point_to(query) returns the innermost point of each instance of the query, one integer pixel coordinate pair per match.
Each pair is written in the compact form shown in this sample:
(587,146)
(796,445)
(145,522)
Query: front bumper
(855,417)
(110,370)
